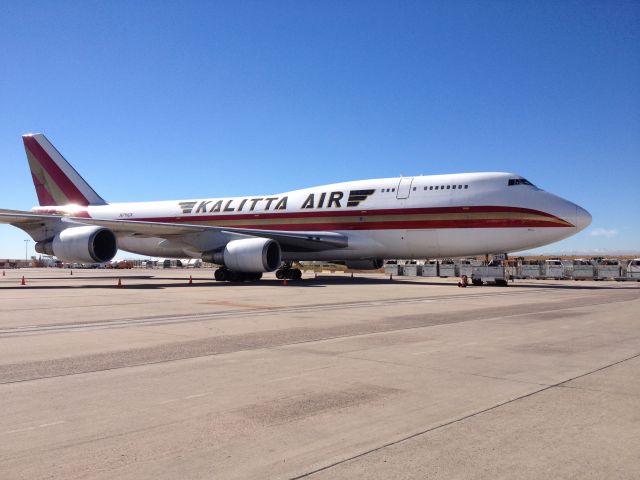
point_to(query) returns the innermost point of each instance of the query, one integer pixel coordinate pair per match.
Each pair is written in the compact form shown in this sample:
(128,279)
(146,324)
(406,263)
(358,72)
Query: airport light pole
(26,247)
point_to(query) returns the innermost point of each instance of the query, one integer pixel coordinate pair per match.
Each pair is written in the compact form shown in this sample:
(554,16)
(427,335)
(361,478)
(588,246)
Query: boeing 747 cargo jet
(358,223)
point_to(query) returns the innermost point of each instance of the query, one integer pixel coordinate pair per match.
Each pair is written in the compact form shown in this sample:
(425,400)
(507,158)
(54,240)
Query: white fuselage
(408,217)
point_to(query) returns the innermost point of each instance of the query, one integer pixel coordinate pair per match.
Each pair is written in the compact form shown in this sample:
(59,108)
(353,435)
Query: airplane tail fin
(56,181)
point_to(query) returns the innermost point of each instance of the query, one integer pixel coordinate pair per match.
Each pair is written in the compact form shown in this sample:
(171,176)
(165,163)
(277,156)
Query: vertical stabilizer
(56,181)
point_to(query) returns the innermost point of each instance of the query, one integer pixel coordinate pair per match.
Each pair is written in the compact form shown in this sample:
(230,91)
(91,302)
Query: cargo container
(465,267)
(553,268)
(582,270)
(430,268)
(391,267)
(530,269)
(489,274)
(447,268)
(607,269)
(410,268)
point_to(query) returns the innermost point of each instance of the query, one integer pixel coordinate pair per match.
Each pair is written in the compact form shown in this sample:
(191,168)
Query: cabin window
(414,189)
(431,187)
(454,187)
(460,187)
(448,187)
(393,189)
(466,186)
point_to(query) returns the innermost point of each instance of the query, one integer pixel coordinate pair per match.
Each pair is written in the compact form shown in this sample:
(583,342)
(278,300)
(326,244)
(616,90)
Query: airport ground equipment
(529,269)
(553,268)
(582,270)
(410,268)
(447,268)
(607,269)
(430,268)
(489,274)
(391,267)
(465,267)
(633,269)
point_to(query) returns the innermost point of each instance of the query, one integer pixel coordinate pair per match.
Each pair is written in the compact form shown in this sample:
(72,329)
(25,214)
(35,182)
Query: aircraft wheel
(296,274)
(477,282)
(234,276)
(280,274)
(220,275)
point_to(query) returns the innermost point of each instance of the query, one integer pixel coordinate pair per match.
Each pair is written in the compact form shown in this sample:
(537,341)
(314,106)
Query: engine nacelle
(370,264)
(250,255)
(86,244)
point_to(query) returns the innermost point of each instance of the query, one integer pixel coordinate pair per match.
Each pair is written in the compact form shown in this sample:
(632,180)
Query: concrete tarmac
(324,378)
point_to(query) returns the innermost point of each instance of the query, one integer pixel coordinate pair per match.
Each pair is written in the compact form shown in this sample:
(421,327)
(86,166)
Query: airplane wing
(289,241)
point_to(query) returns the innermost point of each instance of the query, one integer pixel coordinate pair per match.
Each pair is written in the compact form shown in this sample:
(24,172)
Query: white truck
(633,269)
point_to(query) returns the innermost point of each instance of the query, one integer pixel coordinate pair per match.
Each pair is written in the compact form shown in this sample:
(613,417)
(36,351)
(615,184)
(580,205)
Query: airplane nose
(583,218)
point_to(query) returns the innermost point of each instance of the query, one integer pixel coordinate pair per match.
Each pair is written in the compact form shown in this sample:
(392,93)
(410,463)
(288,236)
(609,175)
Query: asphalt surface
(323,378)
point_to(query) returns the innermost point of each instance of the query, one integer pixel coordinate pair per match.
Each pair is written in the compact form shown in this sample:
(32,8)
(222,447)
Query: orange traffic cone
(190,280)
(23,281)
(285,282)
(3,274)
(119,283)
(390,277)
(71,272)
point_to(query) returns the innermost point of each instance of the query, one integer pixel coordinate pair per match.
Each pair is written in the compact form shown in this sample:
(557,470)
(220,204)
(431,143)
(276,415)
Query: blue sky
(164,100)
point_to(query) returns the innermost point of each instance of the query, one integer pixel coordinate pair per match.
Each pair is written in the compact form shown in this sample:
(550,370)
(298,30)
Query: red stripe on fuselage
(347,213)
(64,183)
(400,225)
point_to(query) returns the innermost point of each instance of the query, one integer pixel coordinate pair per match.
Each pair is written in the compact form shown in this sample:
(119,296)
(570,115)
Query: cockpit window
(520,181)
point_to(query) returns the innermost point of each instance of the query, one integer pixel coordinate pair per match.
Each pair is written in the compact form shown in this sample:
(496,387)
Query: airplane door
(404,187)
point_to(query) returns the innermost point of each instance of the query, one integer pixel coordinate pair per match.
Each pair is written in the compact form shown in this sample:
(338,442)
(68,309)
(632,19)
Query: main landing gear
(225,275)
(288,273)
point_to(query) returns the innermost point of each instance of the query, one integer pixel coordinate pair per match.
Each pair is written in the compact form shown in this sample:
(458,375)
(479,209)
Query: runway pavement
(324,378)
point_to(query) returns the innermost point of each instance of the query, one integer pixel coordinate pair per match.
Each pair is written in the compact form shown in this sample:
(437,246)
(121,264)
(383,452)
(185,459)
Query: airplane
(358,223)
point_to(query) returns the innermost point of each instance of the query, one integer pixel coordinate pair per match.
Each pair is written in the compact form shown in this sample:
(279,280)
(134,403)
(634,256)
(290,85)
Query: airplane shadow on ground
(319,282)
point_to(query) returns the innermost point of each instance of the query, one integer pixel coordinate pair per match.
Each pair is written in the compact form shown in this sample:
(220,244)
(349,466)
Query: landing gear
(225,275)
(288,273)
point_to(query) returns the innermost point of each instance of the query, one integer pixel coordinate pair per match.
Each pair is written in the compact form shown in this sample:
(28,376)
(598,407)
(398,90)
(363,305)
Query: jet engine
(369,264)
(86,244)
(250,255)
